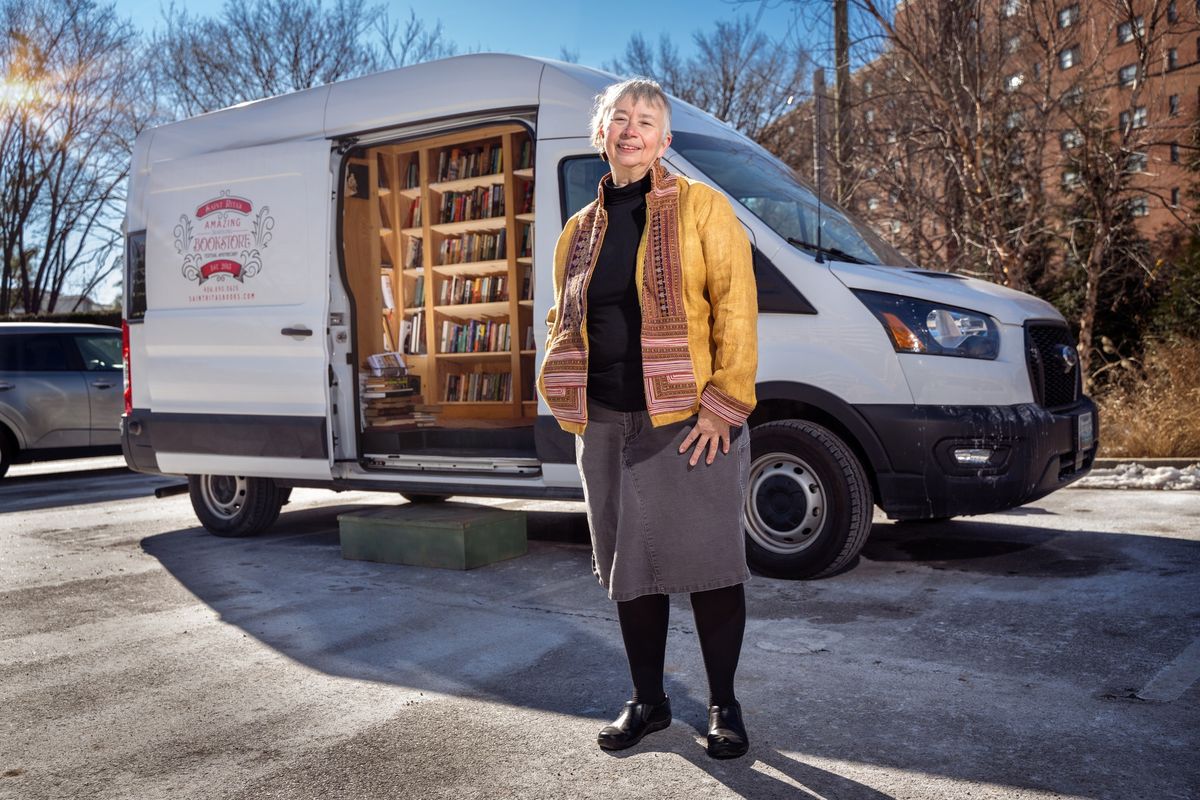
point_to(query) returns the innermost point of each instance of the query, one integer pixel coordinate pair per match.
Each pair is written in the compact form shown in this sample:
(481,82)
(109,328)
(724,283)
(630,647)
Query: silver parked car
(61,391)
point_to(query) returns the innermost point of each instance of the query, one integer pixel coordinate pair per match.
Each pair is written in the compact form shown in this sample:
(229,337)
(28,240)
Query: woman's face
(634,138)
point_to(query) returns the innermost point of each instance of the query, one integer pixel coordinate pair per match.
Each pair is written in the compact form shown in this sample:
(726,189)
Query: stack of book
(476,336)
(394,402)
(478,203)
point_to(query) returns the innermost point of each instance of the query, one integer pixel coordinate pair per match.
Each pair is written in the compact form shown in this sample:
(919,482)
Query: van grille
(1053,364)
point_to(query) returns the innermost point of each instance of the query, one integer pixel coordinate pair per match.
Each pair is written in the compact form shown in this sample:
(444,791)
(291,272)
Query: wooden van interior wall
(438,247)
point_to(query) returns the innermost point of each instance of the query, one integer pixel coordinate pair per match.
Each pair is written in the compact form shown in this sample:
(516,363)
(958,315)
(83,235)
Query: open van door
(235,333)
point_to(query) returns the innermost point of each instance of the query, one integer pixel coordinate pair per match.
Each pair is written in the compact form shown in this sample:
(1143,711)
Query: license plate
(1085,434)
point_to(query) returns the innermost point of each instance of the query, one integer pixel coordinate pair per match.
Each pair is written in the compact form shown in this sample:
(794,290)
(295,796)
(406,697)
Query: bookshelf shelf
(484,224)
(472,267)
(467,183)
(471,310)
(413,185)
(476,355)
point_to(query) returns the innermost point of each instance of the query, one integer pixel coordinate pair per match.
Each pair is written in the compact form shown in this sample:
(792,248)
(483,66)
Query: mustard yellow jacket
(698,299)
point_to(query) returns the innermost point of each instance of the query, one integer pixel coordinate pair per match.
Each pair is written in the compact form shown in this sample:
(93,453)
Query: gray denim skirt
(657,524)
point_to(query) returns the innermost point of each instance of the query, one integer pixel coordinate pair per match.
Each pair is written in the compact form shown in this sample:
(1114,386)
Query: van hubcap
(224,494)
(785,506)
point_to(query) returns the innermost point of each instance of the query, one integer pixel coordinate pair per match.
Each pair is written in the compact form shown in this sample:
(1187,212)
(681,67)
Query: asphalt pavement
(1049,652)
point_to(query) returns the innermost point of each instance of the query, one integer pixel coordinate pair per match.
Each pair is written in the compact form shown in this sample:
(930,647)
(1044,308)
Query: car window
(35,352)
(99,351)
(579,179)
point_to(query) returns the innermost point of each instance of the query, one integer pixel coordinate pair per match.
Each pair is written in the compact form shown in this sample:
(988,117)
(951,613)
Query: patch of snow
(1139,476)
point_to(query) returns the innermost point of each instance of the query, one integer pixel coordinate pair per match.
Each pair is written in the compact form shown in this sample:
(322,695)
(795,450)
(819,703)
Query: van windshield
(777,196)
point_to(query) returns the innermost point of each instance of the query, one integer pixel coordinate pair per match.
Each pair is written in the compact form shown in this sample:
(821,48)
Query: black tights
(720,616)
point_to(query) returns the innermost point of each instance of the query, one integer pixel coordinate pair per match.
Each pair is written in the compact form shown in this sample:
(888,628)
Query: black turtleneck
(614,318)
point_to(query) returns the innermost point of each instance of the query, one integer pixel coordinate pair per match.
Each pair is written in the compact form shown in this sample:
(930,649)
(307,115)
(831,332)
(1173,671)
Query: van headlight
(936,329)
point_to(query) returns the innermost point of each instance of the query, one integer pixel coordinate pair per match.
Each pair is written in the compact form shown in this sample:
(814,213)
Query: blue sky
(599,31)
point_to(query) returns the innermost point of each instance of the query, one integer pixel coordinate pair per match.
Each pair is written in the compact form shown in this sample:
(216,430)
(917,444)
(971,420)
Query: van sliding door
(237,261)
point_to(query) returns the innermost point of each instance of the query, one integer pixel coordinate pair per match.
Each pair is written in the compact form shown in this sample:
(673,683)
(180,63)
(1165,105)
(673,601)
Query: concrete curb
(1151,463)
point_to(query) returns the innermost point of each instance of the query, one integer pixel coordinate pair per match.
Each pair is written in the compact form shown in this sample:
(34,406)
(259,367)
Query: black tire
(808,503)
(8,450)
(233,505)
(412,497)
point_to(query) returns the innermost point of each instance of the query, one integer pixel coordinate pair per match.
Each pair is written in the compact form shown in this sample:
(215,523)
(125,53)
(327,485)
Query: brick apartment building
(1134,65)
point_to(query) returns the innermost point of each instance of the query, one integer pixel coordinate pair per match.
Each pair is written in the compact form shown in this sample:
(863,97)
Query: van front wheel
(807,510)
(233,505)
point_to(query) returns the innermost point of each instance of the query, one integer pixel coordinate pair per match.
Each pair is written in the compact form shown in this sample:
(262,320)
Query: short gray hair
(644,89)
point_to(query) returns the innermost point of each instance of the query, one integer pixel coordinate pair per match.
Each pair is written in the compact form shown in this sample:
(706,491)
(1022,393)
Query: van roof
(449,87)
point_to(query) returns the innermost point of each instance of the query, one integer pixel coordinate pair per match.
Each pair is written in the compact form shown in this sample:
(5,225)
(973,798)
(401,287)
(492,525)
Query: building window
(896,226)
(1127,30)
(1070,179)
(1070,139)
(867,88)
(1135,162)
(1138,207)
(1172,58)
(1135,120)
(869,116)
(1172,12)
(872,203)
(1068,16)
(1012,44)
(1173,105)
(1010,8)
(1069,57)
(1013,120)
(1175,196)
(1127,75)
(1013,82)
(1072,97)
(1174,153)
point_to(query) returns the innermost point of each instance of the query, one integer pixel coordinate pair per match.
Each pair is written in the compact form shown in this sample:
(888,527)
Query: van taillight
(125,368)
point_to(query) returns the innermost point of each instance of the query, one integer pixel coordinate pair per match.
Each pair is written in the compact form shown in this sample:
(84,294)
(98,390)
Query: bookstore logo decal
(222,243)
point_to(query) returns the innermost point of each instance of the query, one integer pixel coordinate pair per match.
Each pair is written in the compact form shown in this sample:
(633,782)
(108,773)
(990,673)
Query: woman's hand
(709,431)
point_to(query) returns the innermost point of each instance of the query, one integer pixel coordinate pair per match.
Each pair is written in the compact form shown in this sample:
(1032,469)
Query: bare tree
(264,48)
(70,109)
(739,74)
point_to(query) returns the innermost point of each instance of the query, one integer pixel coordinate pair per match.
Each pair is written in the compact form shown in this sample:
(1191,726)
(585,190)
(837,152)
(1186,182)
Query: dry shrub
(1151,408)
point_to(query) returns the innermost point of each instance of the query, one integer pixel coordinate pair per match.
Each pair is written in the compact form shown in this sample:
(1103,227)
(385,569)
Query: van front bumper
(1034,452)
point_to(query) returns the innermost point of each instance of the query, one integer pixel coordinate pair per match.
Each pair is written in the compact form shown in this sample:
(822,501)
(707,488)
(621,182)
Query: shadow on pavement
(914,689)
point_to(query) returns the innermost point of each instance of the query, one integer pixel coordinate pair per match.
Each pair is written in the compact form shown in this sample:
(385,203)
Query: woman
(650,361)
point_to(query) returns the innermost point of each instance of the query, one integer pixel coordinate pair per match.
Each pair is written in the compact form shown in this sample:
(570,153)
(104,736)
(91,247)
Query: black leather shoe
(726,732)
(635,721)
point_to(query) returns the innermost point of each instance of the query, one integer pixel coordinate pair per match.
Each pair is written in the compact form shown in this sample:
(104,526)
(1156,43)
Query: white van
(342,288)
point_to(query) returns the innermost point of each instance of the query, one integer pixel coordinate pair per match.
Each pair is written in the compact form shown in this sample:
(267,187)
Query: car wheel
(424,498)
(807,510)
(233,505)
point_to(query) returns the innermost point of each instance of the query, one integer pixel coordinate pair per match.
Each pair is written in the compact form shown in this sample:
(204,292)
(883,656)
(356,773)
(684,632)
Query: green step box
(446,535)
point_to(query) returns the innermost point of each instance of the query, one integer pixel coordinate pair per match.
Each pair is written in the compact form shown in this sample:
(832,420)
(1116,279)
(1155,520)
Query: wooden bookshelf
(450,214)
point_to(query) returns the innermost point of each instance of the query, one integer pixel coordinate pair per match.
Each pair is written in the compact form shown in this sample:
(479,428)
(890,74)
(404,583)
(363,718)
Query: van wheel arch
(780,400)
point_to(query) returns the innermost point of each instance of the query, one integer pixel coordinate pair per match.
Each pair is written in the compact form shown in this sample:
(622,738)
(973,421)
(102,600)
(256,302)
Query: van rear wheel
(807,511)
(234,505)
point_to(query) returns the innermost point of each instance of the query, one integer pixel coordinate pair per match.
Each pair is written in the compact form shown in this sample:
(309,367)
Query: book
(389,296)
(386,364)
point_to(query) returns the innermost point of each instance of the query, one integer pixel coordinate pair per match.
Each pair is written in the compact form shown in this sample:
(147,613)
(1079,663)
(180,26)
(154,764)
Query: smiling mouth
(627,148)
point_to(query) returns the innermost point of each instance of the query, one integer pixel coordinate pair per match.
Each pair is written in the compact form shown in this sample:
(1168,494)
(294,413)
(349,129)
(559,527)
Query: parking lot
(1051,651)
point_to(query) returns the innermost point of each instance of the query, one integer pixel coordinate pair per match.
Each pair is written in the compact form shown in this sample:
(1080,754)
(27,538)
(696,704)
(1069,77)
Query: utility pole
(841,145)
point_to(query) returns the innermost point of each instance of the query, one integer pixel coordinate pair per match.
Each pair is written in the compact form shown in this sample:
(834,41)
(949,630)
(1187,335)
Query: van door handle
(299,331)
(5,386)
(102,384)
